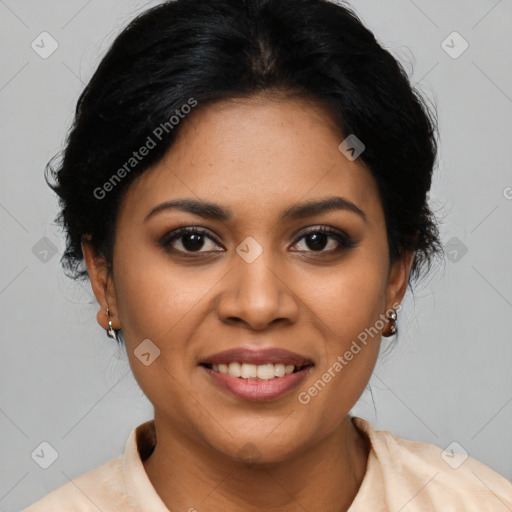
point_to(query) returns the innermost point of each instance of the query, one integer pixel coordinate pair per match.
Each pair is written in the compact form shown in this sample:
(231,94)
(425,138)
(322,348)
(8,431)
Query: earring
(111,333)
(391,326)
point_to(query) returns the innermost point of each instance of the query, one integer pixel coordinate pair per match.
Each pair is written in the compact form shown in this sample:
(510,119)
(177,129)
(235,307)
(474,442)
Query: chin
(259,450)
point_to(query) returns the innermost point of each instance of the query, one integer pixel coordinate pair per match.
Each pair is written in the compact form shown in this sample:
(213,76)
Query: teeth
(289,368)
(251,371)
(248,371)
(235,369)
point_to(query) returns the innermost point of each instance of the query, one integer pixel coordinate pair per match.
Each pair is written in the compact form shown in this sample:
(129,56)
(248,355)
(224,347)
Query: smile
(268,371)
(256,382)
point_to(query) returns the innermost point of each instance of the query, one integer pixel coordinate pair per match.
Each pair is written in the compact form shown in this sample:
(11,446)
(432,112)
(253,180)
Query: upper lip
(257,357)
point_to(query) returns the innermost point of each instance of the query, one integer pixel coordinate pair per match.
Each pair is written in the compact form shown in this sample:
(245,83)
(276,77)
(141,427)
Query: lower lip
(254,389)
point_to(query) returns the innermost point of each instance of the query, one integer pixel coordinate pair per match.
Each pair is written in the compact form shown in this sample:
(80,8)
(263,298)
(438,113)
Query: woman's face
(253,280)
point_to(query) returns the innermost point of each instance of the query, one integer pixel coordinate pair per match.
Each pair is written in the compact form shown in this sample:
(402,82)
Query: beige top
(401,475)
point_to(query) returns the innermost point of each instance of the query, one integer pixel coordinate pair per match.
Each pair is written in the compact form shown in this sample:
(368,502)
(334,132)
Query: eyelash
(344,241)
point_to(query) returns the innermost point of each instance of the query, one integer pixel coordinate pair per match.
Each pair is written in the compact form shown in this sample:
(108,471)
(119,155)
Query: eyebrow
(214,211)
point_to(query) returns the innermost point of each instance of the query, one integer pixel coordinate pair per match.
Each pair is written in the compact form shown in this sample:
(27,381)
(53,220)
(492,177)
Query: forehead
(257,157)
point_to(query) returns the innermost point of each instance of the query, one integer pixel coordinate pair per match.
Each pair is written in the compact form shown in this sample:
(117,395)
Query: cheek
(160,302)
(347,309)
(352,298)
(154,295)
(349,356)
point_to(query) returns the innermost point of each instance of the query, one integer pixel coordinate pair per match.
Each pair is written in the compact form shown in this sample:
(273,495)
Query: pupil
(318,241)
(193,242)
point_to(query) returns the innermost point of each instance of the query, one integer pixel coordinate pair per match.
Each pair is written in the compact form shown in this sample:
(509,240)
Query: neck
(325,476)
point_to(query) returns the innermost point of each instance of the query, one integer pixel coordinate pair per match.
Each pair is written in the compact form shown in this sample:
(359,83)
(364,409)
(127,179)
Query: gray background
(448,378)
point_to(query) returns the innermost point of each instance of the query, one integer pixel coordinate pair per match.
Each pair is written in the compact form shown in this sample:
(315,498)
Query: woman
(245,185)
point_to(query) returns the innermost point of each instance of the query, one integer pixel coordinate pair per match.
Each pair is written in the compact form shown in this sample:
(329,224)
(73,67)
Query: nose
(257,295)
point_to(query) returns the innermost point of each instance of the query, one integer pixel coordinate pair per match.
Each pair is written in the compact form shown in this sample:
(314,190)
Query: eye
(323,237)
(189,240)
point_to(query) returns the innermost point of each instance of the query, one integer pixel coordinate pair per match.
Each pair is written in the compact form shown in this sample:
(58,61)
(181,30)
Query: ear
(102,284)
(399,278)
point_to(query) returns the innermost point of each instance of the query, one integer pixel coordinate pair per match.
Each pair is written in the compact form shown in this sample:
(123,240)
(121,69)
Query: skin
(255,156)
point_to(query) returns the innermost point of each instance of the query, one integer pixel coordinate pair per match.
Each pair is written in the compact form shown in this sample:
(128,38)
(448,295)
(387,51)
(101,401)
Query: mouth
(257,375)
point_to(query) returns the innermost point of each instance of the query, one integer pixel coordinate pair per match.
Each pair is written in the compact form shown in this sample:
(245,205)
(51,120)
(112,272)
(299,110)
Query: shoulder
(428,474)
(98,489)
